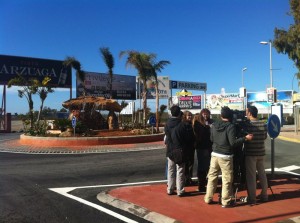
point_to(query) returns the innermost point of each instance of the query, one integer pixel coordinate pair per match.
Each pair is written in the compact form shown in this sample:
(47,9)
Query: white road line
(98,207)
(65,192)
(282,170)
(290,168)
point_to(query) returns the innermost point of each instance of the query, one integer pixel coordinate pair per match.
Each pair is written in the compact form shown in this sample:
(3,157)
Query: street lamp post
(244,69)
(243,90)
(271,74)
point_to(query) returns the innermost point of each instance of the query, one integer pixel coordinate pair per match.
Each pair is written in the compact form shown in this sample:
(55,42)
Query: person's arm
(231,134)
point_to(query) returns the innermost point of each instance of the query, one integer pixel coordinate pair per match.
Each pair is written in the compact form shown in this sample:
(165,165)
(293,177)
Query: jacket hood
(172,122)
(220,126)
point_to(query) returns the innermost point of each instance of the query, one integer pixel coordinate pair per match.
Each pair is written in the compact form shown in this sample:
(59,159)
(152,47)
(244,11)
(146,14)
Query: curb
(289,139)
(134,209)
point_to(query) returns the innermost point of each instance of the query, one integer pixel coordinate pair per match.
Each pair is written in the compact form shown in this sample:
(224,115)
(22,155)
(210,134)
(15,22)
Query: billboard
(187,103)
(188,85)
(96,84)
(163,87)
(214,102)
(11,66)
(260,100)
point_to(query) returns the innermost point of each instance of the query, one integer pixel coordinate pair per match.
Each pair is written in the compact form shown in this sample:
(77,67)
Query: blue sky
(207,41)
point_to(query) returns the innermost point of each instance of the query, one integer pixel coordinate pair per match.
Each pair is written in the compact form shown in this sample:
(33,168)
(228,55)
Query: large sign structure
(96,84)
(12,66)
(261,101)
(163,87)
(215,102)
(186,102)
(197,86)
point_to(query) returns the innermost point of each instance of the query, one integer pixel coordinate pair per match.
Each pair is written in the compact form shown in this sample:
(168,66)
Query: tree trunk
(144,103)
(157,106)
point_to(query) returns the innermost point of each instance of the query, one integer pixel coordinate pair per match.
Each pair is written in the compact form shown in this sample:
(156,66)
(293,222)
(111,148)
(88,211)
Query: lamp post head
(244,69)
(264,42)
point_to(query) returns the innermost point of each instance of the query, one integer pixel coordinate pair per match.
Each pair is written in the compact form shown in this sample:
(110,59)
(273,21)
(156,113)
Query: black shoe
(230,205)
(202,189)
(184,194)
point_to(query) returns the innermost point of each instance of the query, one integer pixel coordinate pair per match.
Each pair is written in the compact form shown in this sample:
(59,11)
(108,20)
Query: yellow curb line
(289,139)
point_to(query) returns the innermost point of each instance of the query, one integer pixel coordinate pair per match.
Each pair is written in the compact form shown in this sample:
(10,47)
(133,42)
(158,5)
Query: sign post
(74,124)
(273,131)
(152,121)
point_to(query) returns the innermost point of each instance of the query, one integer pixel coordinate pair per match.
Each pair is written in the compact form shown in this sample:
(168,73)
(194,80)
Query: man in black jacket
(223,136)
(174,170)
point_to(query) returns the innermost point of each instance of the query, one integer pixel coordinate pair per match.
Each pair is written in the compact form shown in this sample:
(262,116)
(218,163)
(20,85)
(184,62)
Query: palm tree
(142,62)
(43,91)
(109,61)
(75,64)
(29,88)
(157,67)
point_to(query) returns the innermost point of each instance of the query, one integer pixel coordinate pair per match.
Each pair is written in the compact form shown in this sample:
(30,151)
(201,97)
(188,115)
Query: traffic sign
(152,120)
(188,85)
(273,126)
(74,122)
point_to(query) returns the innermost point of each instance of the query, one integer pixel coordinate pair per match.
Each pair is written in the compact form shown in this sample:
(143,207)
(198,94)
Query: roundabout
(88,141)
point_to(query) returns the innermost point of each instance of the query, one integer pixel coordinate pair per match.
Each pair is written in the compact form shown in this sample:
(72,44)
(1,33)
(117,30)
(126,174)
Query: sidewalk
(152,203)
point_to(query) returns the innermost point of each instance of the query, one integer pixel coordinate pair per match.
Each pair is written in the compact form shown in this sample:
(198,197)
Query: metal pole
(242,77)
(271,73)
(272,157)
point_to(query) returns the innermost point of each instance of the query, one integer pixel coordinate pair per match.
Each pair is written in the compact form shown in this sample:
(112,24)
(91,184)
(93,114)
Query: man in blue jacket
(223,136)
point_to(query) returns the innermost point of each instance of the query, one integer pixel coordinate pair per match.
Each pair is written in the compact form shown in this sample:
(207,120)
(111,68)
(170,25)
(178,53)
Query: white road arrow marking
(275,127)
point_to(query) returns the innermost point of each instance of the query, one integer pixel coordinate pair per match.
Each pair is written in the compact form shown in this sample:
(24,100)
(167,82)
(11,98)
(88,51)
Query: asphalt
(151,202)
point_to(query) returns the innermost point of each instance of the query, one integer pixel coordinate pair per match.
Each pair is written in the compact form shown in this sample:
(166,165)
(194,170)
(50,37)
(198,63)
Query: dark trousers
(203,158)
(189,167)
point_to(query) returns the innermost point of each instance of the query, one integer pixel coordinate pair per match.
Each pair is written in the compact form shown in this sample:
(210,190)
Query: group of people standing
(214,143)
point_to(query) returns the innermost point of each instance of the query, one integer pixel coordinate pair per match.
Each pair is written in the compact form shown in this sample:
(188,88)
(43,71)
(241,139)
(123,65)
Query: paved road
(26,179)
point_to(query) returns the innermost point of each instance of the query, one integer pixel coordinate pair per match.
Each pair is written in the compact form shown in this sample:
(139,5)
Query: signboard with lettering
(214,102)
(163,88)
(186,104)
(96,84)
(11,66)
(189,102)
(188,85)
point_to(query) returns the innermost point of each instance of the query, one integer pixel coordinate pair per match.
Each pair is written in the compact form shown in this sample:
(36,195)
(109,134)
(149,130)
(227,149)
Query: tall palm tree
(109,61)
(43,90)
(29,87)
(142,62)
(157,67)
(75,64)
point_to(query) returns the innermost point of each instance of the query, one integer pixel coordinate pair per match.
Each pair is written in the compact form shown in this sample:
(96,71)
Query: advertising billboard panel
(260,100)
(163,88)
(96,84)
(187,103)
(12,66)
(214,102)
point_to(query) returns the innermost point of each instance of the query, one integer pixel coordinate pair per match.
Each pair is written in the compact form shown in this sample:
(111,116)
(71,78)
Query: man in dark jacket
(223,136)
(173,169)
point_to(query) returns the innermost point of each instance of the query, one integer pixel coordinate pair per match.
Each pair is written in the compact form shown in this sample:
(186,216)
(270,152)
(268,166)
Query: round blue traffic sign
(273,126)
(73,121)
(152,120)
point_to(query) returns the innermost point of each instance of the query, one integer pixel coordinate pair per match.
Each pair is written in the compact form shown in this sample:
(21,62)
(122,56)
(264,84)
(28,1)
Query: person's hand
(249,137)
